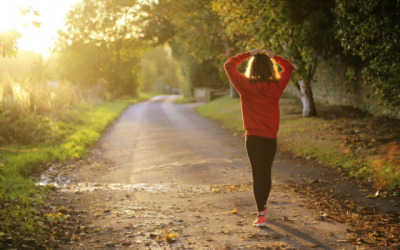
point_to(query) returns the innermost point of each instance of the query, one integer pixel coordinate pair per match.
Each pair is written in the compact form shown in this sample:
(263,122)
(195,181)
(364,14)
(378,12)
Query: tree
(101,43)
(371,29)
(304,33)
(8,43)
(194,32)
(158,66)
(8,39)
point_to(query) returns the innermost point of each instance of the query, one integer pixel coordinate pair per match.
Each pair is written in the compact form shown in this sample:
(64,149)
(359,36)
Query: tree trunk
(307,99)
(234,93)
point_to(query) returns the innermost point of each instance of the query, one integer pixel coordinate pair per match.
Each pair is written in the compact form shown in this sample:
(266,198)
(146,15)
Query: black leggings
(261,152)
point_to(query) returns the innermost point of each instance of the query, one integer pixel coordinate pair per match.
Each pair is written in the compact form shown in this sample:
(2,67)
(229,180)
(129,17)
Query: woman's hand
(254,51)
(269,53)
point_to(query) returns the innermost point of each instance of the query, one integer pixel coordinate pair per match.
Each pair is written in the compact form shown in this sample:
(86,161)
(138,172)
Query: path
(163,167)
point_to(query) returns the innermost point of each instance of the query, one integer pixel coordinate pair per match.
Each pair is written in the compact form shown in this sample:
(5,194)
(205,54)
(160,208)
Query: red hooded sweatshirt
(260,100)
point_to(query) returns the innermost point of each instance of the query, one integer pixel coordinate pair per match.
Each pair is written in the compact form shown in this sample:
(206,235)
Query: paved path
(160,135)
(162,166)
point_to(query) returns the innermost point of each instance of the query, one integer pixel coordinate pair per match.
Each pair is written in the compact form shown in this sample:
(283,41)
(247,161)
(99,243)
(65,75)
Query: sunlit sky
(52,14)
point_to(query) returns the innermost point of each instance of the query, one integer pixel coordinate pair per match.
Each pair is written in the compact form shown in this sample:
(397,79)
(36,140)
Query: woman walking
(260,92)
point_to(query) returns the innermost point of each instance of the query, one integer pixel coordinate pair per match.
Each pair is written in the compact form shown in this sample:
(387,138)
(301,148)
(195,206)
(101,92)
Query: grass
(184,100)
(19,197)
(364,146)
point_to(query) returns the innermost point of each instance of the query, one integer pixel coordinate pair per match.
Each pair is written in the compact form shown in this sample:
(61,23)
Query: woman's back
(260,99)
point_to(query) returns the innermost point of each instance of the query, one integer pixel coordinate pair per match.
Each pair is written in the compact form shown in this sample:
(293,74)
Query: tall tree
(371,29)
(302,32)
(101,43)
(199,33)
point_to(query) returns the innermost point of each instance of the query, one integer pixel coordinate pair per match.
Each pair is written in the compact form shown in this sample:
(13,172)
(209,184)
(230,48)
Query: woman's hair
(261,69)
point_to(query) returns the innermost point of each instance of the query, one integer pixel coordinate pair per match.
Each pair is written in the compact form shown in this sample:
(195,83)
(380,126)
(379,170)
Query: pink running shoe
(260,222)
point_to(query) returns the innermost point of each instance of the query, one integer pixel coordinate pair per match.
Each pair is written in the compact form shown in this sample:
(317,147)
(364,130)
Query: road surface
(162,166)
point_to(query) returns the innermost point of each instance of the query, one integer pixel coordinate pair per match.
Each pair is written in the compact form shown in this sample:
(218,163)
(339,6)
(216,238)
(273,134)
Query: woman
(259,94)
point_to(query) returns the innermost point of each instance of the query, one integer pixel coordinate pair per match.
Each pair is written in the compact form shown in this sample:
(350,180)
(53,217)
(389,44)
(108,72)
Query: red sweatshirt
(260,100)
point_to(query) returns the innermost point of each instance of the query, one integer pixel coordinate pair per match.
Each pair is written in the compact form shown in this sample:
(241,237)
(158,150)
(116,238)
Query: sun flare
(50,15)
(9,16)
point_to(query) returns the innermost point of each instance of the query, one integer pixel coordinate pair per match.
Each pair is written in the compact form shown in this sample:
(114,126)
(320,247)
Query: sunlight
(9,16)
(52,14)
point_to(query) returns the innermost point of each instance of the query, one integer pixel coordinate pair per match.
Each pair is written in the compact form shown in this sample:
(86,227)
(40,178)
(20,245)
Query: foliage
(371,29)
(100,43)
(303,33)
(157,67)
(29,106)
(190,23)
(8,39)
(8,43)
(192,73)
(196,37)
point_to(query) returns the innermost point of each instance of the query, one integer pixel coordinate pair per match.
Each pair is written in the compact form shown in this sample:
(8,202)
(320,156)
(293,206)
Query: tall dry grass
(30,107)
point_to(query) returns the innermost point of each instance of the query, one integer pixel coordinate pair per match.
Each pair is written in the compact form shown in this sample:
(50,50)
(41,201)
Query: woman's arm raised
(286,72)
(237,79)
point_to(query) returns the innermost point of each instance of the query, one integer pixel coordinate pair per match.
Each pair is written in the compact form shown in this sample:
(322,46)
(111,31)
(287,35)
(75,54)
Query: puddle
(66,179)
(57,175)
(144,187)
(53,175)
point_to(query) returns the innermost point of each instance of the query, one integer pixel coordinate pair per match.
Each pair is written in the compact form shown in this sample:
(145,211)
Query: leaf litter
(371,227)
(68,225)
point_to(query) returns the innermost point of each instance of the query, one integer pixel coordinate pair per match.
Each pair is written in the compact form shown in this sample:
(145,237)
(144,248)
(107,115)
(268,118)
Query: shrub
(29,108)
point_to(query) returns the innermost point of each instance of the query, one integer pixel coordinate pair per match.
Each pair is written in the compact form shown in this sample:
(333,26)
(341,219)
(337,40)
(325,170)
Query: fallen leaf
(234,211)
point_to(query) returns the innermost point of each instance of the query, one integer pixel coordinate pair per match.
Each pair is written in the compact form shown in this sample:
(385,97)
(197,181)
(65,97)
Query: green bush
(34,113)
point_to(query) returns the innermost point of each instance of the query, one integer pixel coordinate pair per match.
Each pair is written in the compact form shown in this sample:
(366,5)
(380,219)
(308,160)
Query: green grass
(17,188)
(226,110)
(327,141)
(184,100)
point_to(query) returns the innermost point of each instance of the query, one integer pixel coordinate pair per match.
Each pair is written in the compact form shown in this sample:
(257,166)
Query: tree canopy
(101,43)
(196,36)
(371,29)
(304,33)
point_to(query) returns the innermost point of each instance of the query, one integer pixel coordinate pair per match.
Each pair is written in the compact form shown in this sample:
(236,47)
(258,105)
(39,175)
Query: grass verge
(184,100)
(20,199)
(363,146)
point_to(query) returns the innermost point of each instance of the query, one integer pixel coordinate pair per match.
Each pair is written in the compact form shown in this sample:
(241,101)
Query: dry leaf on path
(234,211)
